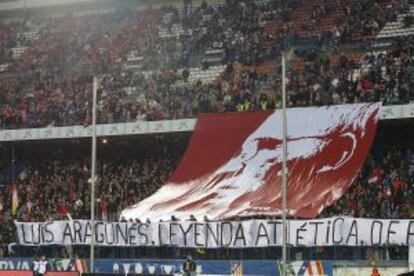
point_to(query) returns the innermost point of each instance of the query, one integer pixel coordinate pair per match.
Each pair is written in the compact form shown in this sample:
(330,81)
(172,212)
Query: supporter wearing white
(42,266)
(35,266)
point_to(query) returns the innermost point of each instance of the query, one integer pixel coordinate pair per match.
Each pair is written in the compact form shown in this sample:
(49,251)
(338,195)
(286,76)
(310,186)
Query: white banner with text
(343,231)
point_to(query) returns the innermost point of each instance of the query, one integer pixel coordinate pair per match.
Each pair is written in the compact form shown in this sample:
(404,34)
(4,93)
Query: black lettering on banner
(41,235)
(34,240)
(172,233)
(409,232)
(67,233)
(111,233)
(333,230)
(224,234)
(300,229)
(185,232)
(316,223)
(215,235)
(130,233)
(142,233)
(239,235)
(77,227)
(160,234)
(230,232)
(197,234)
(262,232)
(274,230)
(49,233)
(353,232)
(328,230)
(23,229)
(99,234)
(379,223)
(121,230)
(88,232)
(389,231)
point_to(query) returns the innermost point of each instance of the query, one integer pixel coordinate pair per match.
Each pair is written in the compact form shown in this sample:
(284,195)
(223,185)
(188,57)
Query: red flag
(376,175)
(232,167)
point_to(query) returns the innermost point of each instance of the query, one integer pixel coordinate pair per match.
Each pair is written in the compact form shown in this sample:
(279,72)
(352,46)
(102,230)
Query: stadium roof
(21,4)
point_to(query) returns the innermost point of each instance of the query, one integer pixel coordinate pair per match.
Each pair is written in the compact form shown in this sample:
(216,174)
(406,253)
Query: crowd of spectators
(384,76)
(383,189)
(58,186)
(320,79)
(49,84)
(50,189)
(364,17)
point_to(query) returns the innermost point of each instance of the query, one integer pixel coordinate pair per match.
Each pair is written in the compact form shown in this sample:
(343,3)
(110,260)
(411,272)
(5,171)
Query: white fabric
(42,267)
(345,231)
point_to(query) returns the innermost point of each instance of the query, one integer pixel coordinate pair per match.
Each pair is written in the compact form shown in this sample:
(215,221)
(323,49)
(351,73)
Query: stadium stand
(172,63)
(237,85)
(398,24)
(385,184)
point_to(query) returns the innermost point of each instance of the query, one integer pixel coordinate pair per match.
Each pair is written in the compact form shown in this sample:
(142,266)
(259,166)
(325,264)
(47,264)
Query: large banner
(344,231)
(232,167)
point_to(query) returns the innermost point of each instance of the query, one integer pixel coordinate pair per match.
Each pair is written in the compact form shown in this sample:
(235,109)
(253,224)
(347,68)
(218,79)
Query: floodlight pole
(13,165)
(284,167)
(93,168)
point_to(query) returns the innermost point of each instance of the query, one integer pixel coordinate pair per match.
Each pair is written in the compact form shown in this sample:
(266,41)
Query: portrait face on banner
(326,148)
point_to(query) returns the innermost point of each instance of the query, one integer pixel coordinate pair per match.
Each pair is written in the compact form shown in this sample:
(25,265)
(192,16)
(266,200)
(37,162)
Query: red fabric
(398,185)
(234,91)
(376,175)
(62,208)
(352,207)
(219,127)
(72,191)
(104,209)
(232,166)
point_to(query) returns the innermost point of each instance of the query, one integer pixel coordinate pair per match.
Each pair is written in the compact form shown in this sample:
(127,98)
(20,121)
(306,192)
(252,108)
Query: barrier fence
(64,267)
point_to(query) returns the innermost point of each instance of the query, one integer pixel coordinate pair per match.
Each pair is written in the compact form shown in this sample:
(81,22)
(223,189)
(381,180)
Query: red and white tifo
(232,166)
